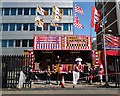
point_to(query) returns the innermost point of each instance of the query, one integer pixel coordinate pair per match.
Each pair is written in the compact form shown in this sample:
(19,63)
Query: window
(4,43)
(65,27)
(71,27)
(71,12)
(24,43)
(2,11)
(19,11)
(33,11)
(5,27)
(65,11)
(12,27)
(13,11)
(39,28)
(31,43)
(11,43)
(52,28)
(0,27)
(32,27)
(50,11)
(46,9)
(26,11)
(19,27)
(17,43)
(25,27)
(59,28)
(6,11)
(46,26)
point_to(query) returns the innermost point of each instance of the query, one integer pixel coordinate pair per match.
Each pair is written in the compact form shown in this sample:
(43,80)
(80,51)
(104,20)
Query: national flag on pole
(95,18)
(41,11)
(77,22)
(54,24)
(79,10)
(39,22)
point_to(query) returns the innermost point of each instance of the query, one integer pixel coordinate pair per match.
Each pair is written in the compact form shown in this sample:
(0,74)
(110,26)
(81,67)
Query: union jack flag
(77,22)
(78,9)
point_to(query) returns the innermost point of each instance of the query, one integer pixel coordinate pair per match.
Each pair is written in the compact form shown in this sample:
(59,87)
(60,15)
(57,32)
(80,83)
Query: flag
(39,22)
(95,19)
(41,11)
(56,14)
(54,24)
(78,9)
(77,22)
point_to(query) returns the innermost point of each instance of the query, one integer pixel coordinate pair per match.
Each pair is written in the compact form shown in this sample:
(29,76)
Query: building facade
(110,22)
(17,23)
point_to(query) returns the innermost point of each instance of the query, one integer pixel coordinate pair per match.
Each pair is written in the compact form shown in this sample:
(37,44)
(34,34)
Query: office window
(26,11)
(12,27)
(2,11)
(33,11)
(5,27)
(0,27)
(50,11)
(31,43)
(25,27)
(13,11)
(24,43)
(52,28)
(17,43)
(11,43)
(71,27)
(71,12)
(32,27)
(19,27)
(65,11)
(65,27)
(46,9)
(6,11)
(39,28)
(19,11)
(59,28)
(46,26)
(4,43)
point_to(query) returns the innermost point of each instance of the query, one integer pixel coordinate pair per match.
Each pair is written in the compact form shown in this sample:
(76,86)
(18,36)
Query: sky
(84,19)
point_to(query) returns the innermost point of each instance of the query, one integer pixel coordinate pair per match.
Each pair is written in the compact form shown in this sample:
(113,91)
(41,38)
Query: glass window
(65,27)
(39,28)
(4,43)
(5,27)
(2,11)
(13,11)
(52,28)
(25,27)
(12,27)
(32,27)
(31,43)
(0,27)
(46,26)
(33,11)
(11,43)
(26,11)
(50,11)
(17,43)
(24,43)
(6,11)
(46,9)
(19,11)
(19,27)
(71,12)
(71,27)
(65,11)
(59,28)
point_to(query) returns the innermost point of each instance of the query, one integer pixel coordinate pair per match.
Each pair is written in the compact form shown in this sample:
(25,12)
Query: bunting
(56,16)
(77,22)
(78,9)
(41,11)
(39,22)
(95,18)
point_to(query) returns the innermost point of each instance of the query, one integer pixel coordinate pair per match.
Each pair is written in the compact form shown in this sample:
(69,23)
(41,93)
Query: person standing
(78,60)
(58,61)
(48,73)
(76,74)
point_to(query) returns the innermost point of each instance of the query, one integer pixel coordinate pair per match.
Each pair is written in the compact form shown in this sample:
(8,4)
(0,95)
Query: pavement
(39,87)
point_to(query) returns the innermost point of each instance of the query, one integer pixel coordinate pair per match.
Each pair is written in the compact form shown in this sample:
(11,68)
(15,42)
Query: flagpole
(105,59)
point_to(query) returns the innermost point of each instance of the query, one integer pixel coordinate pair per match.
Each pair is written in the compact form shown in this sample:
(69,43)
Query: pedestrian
(48,73)
(78,60)
(101,72)
(57,64)
(76,74)
(60,73)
